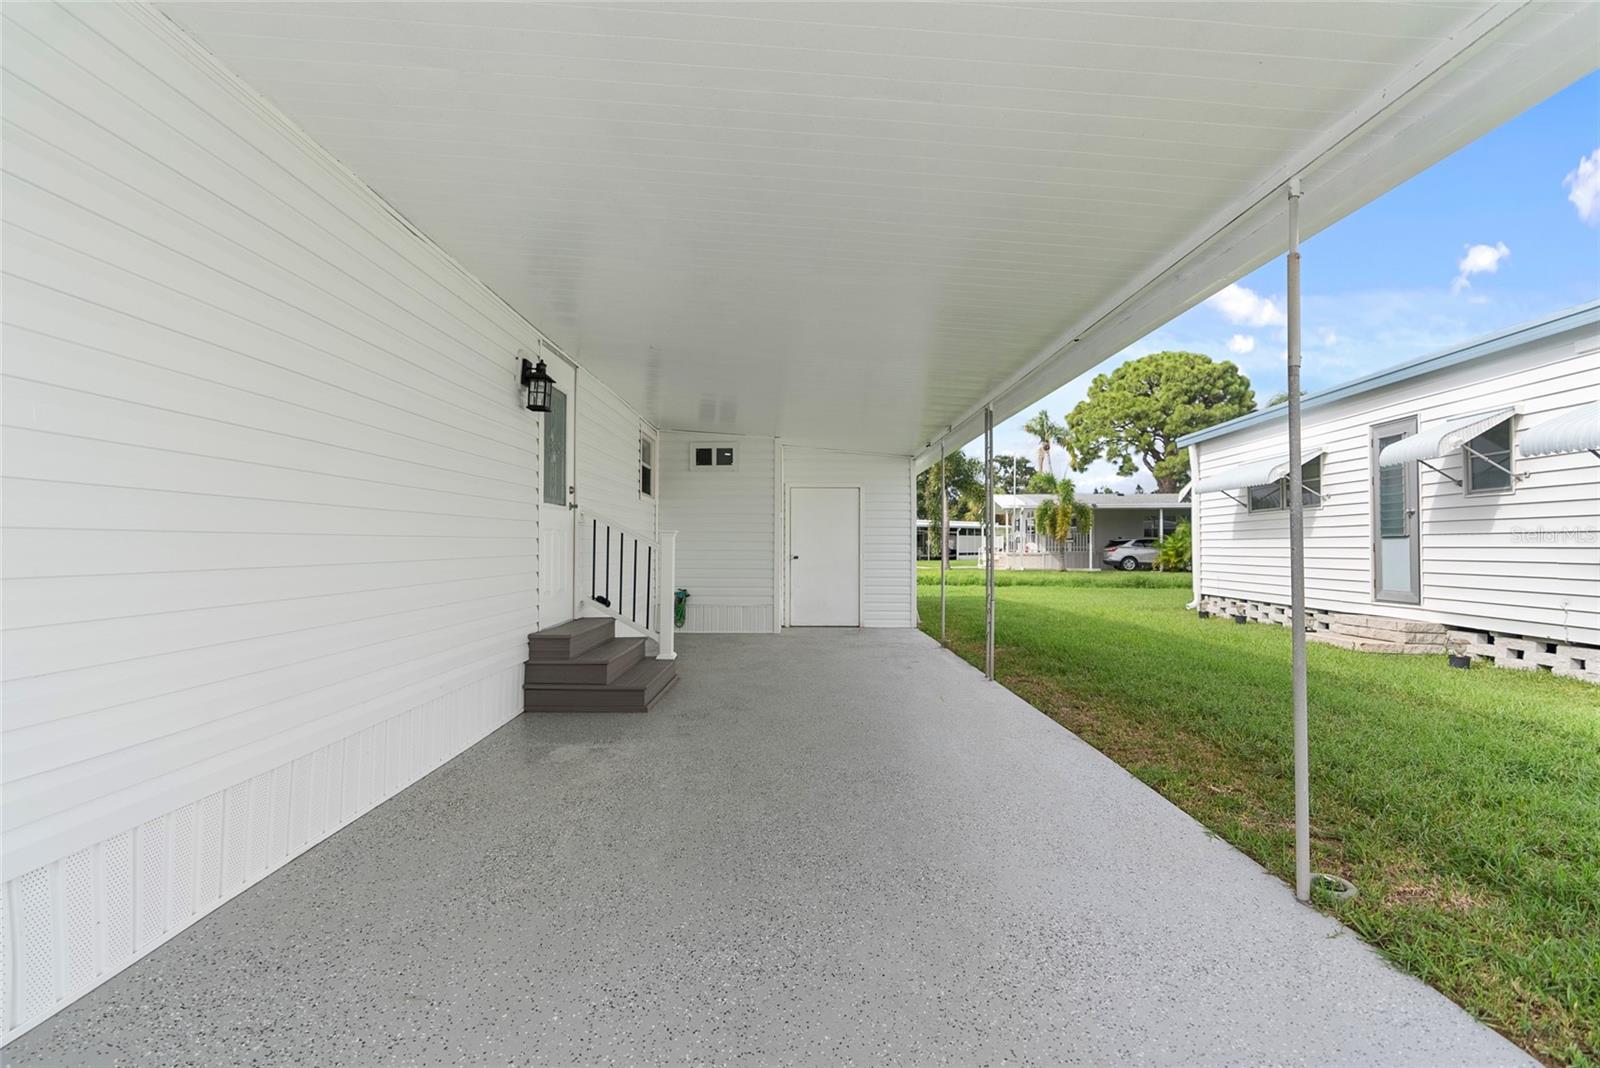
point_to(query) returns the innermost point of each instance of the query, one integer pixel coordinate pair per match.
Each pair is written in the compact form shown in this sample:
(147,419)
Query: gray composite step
(635,690)
(598,666)
(566,640)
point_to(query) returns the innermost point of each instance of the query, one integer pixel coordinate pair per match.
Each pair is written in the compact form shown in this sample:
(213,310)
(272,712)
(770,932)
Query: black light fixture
(539,384)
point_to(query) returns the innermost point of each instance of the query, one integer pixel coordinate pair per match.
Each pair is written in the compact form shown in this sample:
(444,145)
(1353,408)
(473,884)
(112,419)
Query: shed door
(824,556)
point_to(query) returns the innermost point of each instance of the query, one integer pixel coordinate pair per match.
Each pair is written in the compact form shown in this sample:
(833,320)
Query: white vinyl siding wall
(1525,562)
(888,548)
(725,521)
(607,457)
(271,497)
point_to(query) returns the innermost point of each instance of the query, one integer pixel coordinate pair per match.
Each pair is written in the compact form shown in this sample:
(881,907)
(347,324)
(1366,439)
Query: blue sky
(1494,235)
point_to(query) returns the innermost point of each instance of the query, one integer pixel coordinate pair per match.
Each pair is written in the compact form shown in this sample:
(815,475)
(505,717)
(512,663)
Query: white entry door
(824,556)
(556,517)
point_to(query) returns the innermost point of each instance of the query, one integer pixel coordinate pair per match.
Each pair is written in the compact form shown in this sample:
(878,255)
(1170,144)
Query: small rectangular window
(713,457)
(555,449)
(647,465)
(1274,496)
(1268,498)
(1310,483)
(1487,460)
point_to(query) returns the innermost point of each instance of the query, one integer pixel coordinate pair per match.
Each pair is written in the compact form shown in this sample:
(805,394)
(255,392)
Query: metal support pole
(1297,570)
(988,540)
(944,535)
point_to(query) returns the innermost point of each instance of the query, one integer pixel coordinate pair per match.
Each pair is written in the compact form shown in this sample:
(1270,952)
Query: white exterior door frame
(557,536)
(789,554)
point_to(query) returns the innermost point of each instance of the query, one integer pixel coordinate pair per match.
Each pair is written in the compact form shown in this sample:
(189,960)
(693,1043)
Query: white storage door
(824,556)
(557,544)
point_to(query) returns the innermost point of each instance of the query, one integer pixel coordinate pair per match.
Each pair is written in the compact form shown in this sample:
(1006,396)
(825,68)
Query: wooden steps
(582,666)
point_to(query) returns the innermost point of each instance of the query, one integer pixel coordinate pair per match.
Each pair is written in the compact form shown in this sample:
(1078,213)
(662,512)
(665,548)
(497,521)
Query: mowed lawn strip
(1465,805)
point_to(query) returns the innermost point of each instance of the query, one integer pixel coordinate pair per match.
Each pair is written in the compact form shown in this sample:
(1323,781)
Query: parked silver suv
(1129,554)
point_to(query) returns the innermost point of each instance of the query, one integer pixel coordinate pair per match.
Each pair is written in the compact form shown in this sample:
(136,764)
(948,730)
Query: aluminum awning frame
(1450,90)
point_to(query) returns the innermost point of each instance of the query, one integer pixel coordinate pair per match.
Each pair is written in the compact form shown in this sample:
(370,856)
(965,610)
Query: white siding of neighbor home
(607,456)
(888,547)
(271,498)
(1524,562)
(725,521)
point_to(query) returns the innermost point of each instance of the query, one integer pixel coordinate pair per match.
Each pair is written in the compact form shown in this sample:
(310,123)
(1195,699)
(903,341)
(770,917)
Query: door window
(555,449)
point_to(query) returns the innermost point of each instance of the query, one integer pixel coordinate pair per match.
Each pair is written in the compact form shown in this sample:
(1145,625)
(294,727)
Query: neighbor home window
(1487,460)
(716,457)
(1167,524)
(647,465)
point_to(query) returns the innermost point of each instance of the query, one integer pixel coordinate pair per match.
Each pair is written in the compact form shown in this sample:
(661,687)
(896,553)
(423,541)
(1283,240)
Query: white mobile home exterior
(1521,562)
(278,524)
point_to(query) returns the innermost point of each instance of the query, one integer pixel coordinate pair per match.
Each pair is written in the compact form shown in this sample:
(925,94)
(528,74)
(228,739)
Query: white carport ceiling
(854,224)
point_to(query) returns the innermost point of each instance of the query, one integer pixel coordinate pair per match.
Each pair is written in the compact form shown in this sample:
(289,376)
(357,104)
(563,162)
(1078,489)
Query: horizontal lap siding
(608,459)
(887,548)
(724,521)
(271,528)
(1527,562)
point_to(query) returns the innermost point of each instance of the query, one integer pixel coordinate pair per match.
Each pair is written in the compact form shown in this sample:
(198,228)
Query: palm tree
(1058,518)
(1063,440)
(1047,431)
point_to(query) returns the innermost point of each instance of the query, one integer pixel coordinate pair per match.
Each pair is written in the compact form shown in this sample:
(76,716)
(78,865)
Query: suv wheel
(1129,563)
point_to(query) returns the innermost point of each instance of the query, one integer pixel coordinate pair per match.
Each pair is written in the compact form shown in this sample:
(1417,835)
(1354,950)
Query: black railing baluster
(594,536)
(648,550)
(608,565)
(633,613)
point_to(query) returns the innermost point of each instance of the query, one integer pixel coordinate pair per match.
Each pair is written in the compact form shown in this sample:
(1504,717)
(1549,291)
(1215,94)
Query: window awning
(1574,431)
(1260,473)
(1441,439)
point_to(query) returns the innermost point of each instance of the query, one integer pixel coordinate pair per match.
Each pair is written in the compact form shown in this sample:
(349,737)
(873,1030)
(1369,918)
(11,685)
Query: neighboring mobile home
(1451,502)
(1114,517)
(965,542)
(281,511)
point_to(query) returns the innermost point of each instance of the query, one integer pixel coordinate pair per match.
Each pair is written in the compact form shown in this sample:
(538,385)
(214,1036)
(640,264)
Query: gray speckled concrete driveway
(821,848)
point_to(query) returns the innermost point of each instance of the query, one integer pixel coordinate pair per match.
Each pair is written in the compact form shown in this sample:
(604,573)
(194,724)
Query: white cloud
(1246,307)
(1478,259)
(1583,188)
(1241,344)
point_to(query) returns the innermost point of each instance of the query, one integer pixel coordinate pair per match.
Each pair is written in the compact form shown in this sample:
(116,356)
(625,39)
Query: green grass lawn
(1465,805)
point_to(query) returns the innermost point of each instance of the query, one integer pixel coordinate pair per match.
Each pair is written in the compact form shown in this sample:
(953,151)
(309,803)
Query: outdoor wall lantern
(538,383)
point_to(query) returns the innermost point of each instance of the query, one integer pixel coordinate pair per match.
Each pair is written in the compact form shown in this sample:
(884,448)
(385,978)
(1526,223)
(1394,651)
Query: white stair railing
(626,576)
